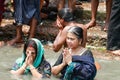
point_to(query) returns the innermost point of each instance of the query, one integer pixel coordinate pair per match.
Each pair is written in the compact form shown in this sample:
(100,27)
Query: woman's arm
(20,71)
(56,69)
(34,72)
(66,59)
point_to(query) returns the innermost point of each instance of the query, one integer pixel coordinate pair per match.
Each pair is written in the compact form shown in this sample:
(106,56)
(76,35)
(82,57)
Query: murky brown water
(110,69)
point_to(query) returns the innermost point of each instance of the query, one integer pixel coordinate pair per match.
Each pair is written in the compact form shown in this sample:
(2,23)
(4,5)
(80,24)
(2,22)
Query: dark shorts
(25,10)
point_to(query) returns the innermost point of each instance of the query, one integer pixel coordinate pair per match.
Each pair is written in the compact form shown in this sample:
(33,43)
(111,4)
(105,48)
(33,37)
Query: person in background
(32,61)
(26,13)
(94,7)
(1,9)
(75,62)
(64,22)
(113,37)
(66,4)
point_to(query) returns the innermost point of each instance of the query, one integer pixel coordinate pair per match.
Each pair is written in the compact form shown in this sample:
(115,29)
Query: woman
(32,61)
(76,62)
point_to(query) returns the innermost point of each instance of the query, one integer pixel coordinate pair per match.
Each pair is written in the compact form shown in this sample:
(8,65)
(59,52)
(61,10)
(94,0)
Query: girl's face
(30,51)
(72,41)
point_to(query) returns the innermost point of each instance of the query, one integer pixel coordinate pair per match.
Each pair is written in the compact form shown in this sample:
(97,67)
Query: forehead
(30,48)
(69,34)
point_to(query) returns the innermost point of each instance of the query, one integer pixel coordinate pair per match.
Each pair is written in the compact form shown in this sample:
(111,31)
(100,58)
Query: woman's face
(30,51)
(72,41)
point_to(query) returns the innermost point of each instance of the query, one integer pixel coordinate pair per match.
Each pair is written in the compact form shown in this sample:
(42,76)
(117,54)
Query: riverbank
(96,36)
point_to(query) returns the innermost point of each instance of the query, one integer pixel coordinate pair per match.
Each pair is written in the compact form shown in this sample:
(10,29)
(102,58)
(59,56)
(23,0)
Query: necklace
(78,52)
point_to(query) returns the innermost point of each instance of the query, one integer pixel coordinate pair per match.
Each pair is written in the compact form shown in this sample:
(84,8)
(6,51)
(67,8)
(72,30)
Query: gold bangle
(32,68)
(69,63)
(23,68)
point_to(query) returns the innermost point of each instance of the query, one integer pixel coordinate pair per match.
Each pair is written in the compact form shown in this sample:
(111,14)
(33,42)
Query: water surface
(110,69)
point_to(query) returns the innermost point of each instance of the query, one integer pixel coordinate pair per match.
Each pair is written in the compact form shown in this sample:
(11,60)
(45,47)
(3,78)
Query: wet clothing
(25,10)
(39,63)
(1,8)
(44,68)
(113,39)
(81,68)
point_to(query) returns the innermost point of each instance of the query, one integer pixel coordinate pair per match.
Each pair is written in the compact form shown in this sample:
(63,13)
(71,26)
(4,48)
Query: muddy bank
(48,31)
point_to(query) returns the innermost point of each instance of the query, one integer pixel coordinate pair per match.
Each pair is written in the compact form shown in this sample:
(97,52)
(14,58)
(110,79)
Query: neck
(68,23)
(77,50)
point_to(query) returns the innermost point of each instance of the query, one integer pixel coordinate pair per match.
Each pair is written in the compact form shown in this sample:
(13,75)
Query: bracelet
(69,63)
(23,68)
(32,68)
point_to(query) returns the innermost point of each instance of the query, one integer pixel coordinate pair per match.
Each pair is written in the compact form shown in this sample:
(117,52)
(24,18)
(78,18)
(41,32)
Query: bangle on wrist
(69,63)
(32,68)
(23,68)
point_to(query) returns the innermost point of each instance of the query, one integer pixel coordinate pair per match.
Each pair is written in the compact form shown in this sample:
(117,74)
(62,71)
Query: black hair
(78,31)
(66,14)
(30,43)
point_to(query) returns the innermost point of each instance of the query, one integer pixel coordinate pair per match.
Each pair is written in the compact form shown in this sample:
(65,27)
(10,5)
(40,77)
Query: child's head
(66,14)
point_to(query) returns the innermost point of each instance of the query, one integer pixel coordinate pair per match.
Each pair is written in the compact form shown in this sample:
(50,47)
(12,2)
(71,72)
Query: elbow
(14,72)
(55,48)
(53,71)
(38,76)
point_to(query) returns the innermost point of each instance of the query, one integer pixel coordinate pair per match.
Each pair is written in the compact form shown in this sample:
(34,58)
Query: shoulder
(88,52)
(78,24)
(67,27)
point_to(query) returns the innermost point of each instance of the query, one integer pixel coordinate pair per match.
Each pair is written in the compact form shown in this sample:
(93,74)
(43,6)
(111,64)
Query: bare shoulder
(66,28)
(77,24)
(80,25)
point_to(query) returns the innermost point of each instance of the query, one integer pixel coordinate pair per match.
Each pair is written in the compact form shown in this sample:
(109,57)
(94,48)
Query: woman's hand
(67,56)
(29,60)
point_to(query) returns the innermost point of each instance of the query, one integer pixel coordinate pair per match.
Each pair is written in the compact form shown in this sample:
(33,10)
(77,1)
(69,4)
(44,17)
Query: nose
(68,40)
(29,53)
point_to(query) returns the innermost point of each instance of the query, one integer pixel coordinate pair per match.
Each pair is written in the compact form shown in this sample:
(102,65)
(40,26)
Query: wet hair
(78,31)
(66,14)
(30,43)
